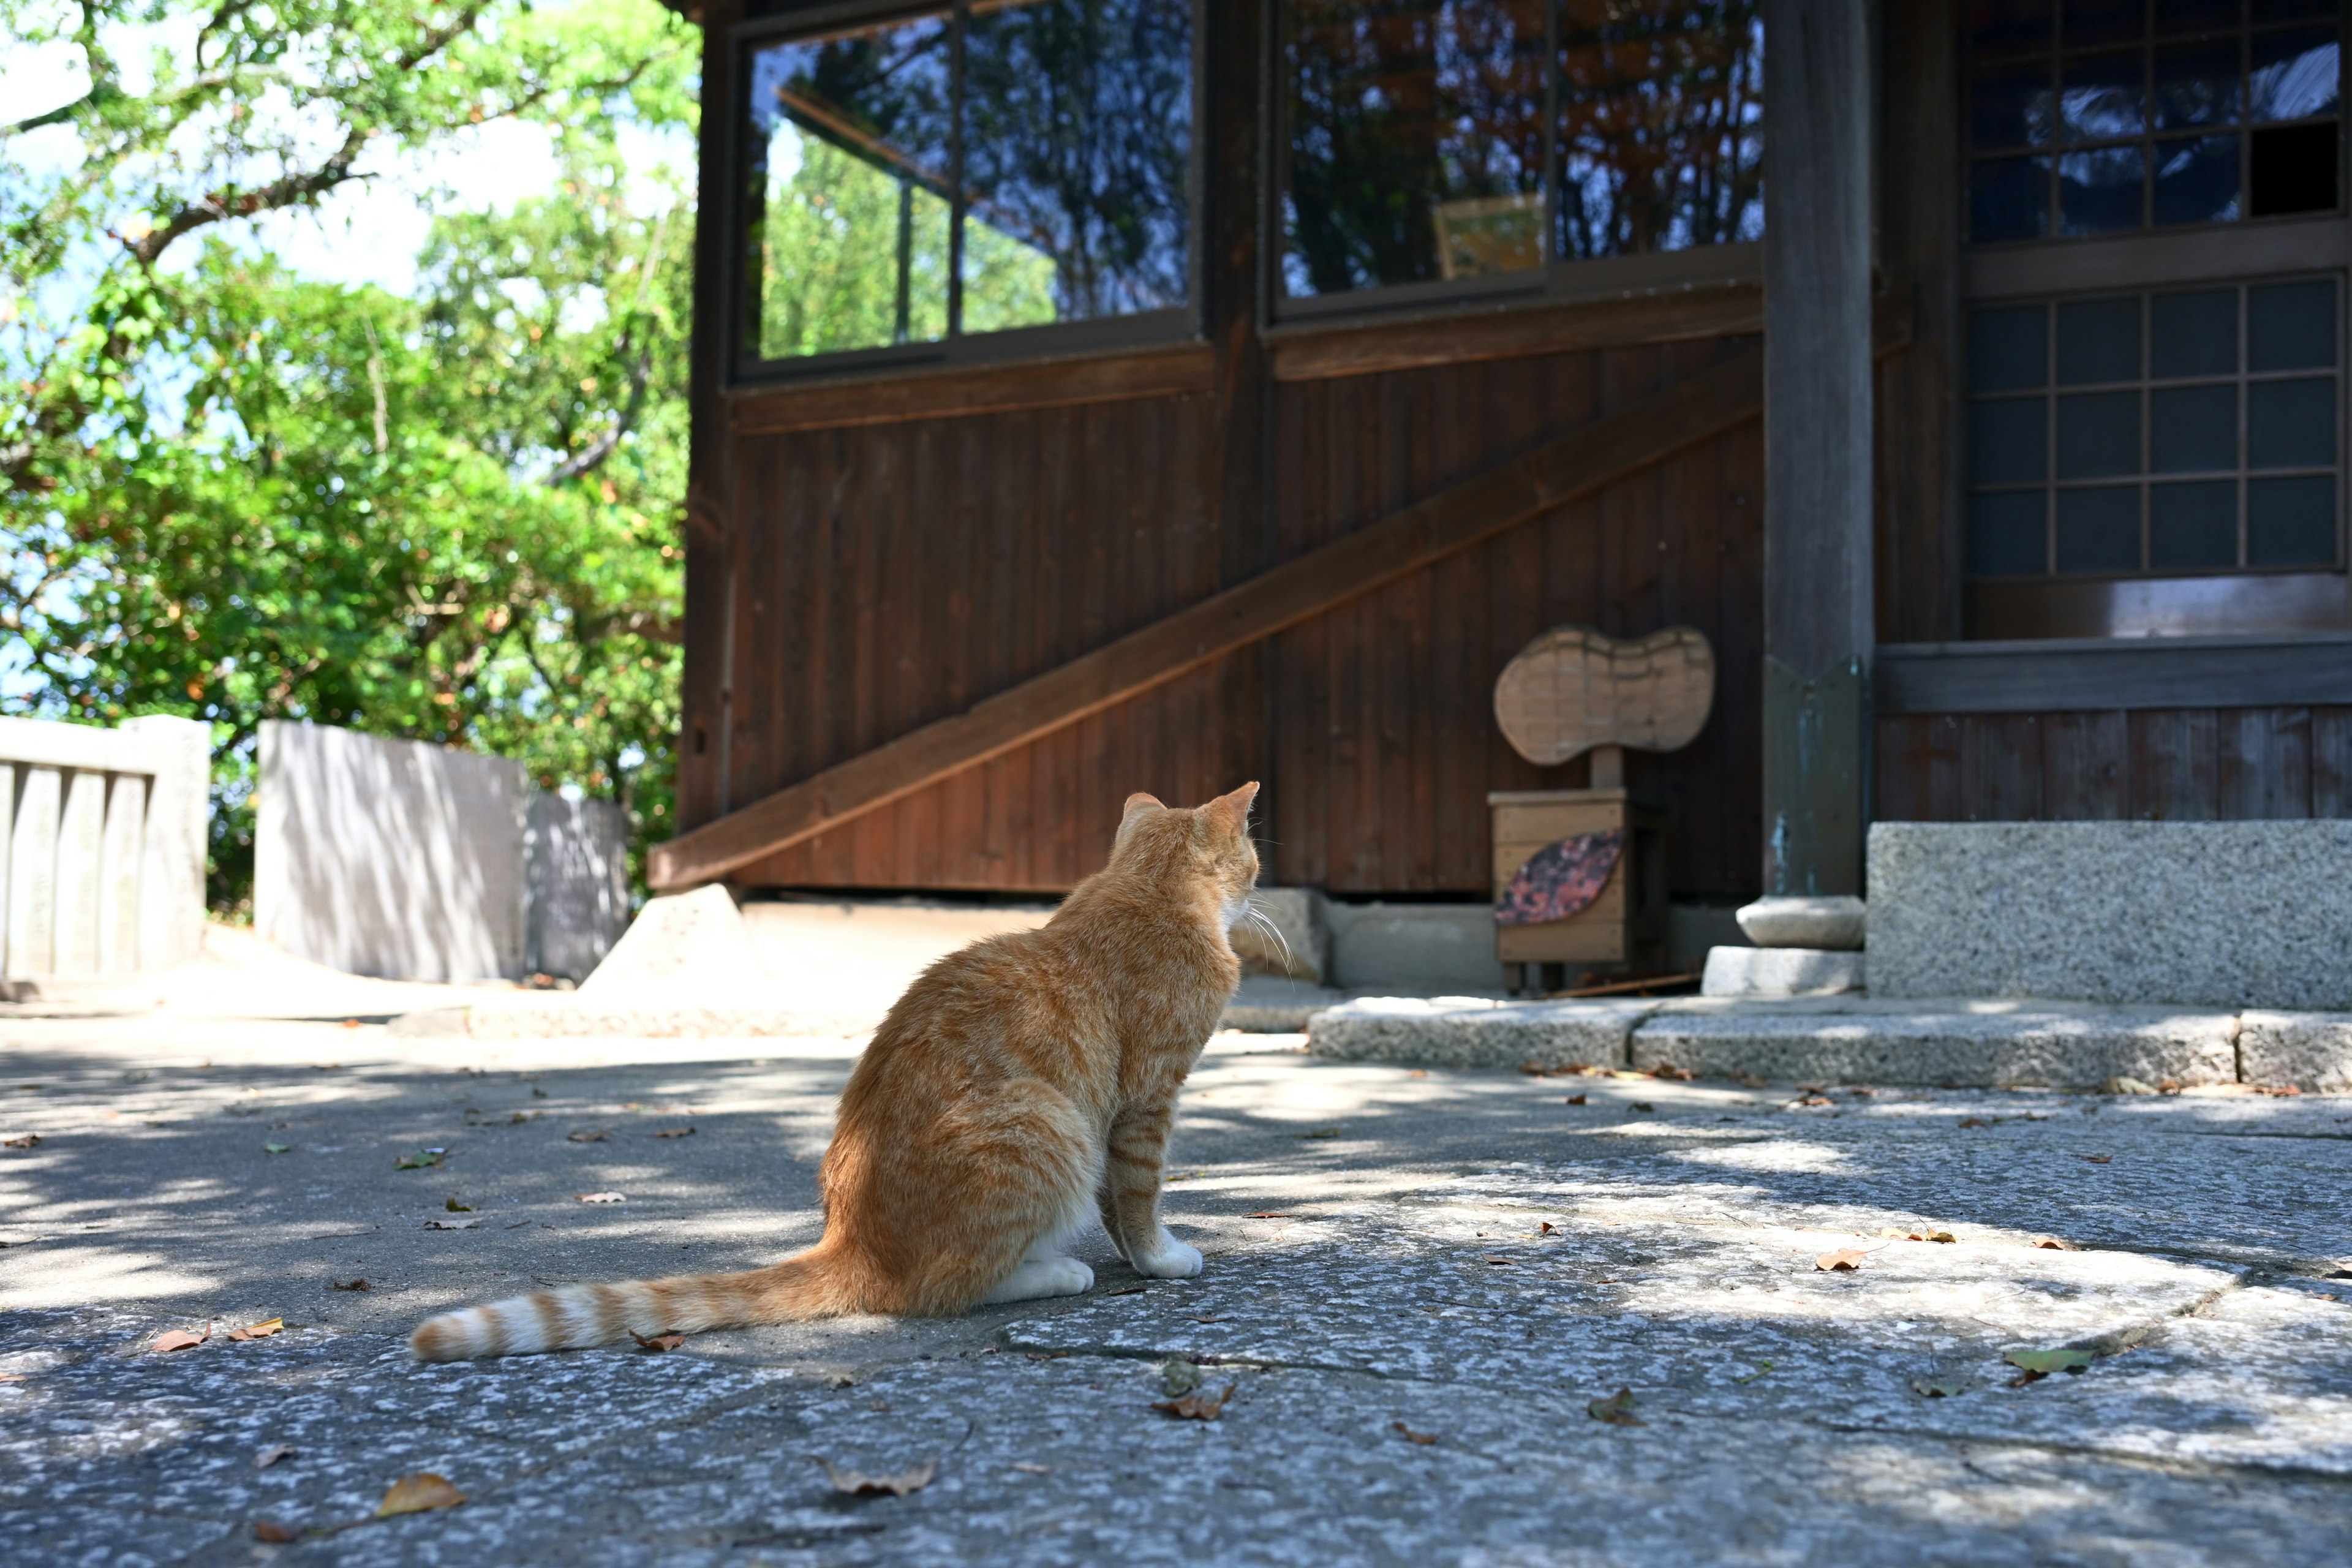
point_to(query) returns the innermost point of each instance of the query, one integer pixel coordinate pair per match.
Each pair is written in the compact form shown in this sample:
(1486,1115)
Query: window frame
(2155,259)
(1143,330)
(1739,264)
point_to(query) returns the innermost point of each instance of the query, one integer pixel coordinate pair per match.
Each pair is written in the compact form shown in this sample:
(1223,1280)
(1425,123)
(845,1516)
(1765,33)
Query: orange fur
(1019,1088)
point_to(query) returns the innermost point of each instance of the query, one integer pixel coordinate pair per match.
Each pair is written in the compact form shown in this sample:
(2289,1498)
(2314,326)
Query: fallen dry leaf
(277,1534)
(1271,1215)
(1668,1070)
(347,1285)
(1936,1388)
(29,1140)
(1574,1099)
(601,1197)
(1424,1438)
(586,1135)
(1178,1376)
(1320,1132)
(1817,1099)
(675,1132)
(2284,1092)
(1845,1259)
(857,1483)
(1029,1469)
(1507,1262)
(1128,1290)
(453,1224)
(1546,1228)
(1617,1410)
(1898,1234)
(1418,1072)
(277,1147)
(419,1493)
(454,1206)
(2053,1244)
(179,1338)
(270,1456)
(2038,1364)
(1974,1122)
(351,1023)
(257,1330)
(1643,1105)
(423,1159)
(2097,1159)
(657,1342)
(1197,1407)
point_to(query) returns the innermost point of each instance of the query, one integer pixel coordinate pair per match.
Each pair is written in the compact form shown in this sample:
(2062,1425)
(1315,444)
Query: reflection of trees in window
(1398,112)
(1072,166)
(1077,140)
(1661,136)
(1417,135)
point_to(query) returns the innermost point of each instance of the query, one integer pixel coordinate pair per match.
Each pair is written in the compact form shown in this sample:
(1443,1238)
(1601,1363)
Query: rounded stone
(1834,923)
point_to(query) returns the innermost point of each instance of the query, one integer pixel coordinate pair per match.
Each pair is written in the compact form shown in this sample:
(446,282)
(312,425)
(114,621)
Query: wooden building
(1096,396)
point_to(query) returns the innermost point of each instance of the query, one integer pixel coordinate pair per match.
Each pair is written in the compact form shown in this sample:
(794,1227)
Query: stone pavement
(1419,1281)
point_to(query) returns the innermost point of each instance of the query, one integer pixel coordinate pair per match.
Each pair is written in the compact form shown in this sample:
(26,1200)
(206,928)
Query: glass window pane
(2009,26)
(2098,531)
(2008,348)
(2103,21)
(2196,84)
(2197,180)
(2098,339)
(2291,424)
(1416,141)
(2294,73)
(2100,96)
(2192,527)
(2011,106)
(2099,193)
(2291,326)
(2098,434)
(849,175)
(2291,522)
(2193,334)
(1661,118)
(2192,429)
(2006,534)
(2291,10)
(2194,16)
(2009,198)
(2294,170)
(2009,441)
(1077,140)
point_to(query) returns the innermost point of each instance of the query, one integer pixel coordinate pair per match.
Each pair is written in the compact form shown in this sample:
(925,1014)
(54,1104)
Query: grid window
(2188,431)
(1427,141)
(2092,117)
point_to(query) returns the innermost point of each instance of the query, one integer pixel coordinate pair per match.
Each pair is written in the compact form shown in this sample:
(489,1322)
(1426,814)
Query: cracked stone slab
(2058,1046)
(1471,1031)
(2310,1051)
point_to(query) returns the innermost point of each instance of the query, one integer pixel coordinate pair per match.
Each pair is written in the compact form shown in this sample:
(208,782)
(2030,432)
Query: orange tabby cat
(1019,1087)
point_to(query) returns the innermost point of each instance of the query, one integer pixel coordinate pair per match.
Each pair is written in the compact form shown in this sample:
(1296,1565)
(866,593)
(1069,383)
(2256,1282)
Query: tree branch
(286,191)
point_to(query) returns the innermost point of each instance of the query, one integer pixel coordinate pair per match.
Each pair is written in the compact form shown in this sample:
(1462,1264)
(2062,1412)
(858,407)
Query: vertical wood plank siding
(893,573)
(2165,764)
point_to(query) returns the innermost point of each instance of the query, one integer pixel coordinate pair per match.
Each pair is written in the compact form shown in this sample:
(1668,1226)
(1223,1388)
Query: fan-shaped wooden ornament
(1573,689)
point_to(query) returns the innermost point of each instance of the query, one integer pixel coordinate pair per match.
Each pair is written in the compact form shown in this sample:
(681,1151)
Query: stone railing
(103,855)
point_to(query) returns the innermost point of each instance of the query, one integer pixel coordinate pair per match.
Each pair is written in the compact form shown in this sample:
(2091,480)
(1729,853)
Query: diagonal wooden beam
(1560,471)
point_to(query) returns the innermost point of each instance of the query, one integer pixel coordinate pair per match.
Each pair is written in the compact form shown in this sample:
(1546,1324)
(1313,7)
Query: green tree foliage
(233,493)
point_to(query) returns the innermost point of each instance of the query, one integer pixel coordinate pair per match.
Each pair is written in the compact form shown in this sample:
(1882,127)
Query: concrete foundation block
(1424,948)
(1835,922)
(2217,914)
(394,858)
(686,950)
(1983,1044)
(1473,1032)
(1299,948)
(1780,972)
(2310,1051)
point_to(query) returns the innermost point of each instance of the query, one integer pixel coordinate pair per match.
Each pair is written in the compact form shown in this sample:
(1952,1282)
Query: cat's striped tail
(573,1316)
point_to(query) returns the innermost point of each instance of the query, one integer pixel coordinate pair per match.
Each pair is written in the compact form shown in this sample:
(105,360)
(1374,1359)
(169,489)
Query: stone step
(1856,1039)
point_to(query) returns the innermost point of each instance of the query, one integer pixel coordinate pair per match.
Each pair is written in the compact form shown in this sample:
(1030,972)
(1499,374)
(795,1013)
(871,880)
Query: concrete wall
(394,858)
(101,846)
(576,906)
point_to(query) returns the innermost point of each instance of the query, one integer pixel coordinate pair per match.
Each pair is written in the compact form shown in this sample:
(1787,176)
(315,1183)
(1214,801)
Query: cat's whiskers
(1264,922)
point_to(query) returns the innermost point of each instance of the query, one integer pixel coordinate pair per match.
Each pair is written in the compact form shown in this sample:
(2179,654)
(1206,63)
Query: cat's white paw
(1168,1258)
(1041,1277)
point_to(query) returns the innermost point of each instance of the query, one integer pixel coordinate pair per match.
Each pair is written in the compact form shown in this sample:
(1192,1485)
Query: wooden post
(1818,621)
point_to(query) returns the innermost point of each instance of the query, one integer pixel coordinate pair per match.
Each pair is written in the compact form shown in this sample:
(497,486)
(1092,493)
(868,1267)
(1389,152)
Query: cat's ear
(1235,807)
(1137,805)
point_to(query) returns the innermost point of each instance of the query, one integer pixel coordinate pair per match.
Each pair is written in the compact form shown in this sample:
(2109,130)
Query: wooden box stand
(1625,927)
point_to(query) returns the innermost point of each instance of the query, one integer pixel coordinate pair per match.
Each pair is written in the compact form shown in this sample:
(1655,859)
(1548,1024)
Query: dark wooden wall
(2175,764)
(892,573)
